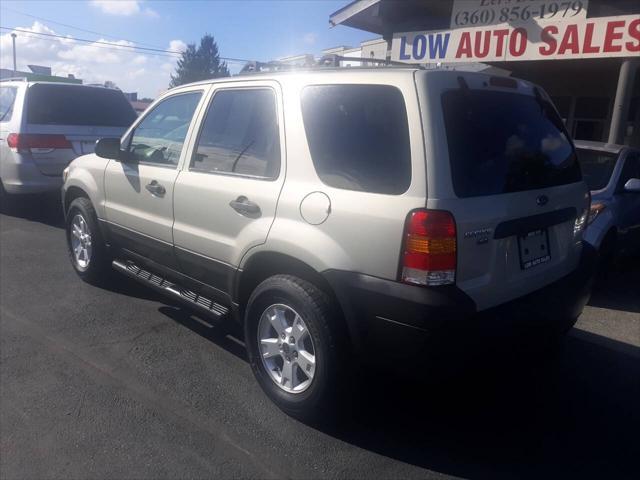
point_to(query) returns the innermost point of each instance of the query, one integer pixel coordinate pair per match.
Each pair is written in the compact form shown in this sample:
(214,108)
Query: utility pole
(15,70)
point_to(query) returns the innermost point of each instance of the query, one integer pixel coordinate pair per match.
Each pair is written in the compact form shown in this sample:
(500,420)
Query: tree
(199,63)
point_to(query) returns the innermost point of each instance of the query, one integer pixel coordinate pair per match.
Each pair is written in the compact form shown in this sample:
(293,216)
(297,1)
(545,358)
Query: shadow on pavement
(224,336)
(618,290)
(495,409)
(45,208)
(496,413)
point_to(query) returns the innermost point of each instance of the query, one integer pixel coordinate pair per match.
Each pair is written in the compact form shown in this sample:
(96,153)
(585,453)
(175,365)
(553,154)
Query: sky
(256,30)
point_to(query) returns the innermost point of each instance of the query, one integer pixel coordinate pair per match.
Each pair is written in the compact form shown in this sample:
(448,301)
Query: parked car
(43,126)
(612,173)
(340,214)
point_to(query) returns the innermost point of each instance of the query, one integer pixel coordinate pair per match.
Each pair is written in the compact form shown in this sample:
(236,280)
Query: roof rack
(326,61)
(334,60)
(14,79)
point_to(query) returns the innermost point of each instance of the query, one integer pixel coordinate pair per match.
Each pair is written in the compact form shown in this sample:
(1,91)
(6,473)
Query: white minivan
(45,125)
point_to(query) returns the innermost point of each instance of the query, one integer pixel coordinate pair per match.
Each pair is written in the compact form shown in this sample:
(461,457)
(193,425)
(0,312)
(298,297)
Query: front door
(226,195)
(139,189)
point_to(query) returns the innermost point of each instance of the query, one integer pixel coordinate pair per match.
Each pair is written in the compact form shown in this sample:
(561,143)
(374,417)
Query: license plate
(534,248)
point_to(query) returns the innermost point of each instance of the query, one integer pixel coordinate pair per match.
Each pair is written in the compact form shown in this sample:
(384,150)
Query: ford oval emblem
(542,200)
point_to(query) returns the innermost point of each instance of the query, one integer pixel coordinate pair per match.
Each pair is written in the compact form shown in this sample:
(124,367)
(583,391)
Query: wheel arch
(71,194)
(265,264)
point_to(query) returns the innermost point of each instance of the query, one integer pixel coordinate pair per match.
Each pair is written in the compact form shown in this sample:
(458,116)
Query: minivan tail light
(27,141)
(429,248)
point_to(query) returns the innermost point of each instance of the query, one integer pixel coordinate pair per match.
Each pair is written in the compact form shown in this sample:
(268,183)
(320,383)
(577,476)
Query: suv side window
(630,170)
(7,99)
(159,138)
(358,137)
(240,135)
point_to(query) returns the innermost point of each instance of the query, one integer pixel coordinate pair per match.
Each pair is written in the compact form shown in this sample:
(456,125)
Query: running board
(162,285)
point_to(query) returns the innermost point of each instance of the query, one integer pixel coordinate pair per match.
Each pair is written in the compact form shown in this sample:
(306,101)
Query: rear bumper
(384,315)
(23,176)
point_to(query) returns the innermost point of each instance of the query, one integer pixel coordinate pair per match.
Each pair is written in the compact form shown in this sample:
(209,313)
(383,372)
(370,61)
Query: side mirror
(108,148)
(632,185)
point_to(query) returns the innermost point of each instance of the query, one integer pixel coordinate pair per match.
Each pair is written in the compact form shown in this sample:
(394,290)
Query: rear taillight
(27,141)
(429,248)
(581,221)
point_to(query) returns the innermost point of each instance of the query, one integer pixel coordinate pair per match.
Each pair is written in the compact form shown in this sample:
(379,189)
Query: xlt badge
(481,235)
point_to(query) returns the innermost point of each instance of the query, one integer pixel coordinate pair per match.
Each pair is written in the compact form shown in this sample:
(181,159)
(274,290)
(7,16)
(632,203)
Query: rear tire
(280,301)
(87,249)
(5,199)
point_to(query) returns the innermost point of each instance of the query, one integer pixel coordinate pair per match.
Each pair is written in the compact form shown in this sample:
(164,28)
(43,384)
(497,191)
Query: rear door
(139,191)
(225,197)
(628,204)
(502,163)
(64,121)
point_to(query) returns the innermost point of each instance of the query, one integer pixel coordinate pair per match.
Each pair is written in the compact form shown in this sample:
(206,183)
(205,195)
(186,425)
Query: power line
(166,53)
(74,27)
(101,47)
(99,42)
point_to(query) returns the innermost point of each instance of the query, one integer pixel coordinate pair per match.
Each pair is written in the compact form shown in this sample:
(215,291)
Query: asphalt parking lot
(118,383)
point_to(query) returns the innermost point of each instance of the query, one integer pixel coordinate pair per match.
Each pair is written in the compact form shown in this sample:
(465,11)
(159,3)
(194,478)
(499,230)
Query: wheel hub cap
(80,236)
(286,348)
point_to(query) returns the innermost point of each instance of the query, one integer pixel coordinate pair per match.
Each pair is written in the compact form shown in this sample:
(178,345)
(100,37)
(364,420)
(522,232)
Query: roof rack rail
(326,61)
(334,60)
(14,79)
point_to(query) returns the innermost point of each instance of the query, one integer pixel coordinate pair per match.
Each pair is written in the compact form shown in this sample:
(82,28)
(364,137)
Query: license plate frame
(533,248)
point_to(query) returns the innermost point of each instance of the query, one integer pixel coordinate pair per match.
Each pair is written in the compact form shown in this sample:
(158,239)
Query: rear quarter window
(78,105)
(358,137)
(7,100)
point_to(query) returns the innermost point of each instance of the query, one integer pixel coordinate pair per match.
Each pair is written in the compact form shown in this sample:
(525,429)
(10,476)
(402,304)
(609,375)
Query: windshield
(597,167)
(505,142)
(77,105)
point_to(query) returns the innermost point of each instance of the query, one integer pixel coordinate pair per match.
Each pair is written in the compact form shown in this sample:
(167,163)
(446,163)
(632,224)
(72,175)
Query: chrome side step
(162,285)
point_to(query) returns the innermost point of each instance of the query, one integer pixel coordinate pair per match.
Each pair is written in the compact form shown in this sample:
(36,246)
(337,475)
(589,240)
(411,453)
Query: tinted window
(76,105)
(159,138)
(240,135)
(358,137)
(596,167)
(505,142)
(631,168)
(7,98)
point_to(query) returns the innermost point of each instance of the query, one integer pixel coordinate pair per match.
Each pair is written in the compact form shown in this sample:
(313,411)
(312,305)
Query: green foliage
(199,63)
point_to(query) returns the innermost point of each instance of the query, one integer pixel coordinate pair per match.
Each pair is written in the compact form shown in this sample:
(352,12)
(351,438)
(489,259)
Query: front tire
(87,249)
(295,347)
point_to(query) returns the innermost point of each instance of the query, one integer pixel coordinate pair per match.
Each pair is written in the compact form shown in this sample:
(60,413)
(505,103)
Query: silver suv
(336,212)
(45,125)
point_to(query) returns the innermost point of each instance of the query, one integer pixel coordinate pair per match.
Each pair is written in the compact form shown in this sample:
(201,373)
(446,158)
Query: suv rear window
(503,142)
(358,137)
(78,105)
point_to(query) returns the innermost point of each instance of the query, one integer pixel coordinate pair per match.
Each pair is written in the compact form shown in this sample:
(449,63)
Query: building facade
(585,53)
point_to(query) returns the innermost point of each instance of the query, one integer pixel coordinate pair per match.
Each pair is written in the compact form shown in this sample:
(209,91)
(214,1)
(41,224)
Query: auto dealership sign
(493,32)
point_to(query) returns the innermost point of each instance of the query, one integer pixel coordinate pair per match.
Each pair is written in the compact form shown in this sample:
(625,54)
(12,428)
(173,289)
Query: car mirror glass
(632,185)
(108,148)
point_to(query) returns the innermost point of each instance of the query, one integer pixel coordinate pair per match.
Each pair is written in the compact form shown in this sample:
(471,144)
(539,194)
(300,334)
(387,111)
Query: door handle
(155,188)
(245,207)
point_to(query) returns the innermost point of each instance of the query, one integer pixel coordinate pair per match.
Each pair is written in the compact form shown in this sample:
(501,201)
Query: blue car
(612,173)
